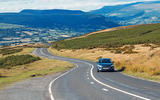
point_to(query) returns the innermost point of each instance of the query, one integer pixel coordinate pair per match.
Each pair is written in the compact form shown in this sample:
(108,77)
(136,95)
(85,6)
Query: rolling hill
(149,33)
(133,13)
(73,20)
(32,26)
(135,50)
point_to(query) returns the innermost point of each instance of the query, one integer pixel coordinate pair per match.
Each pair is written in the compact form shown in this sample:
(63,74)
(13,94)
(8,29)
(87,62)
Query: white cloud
(17,5)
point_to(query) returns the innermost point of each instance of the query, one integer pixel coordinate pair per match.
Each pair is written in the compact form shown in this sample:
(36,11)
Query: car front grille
(106,66)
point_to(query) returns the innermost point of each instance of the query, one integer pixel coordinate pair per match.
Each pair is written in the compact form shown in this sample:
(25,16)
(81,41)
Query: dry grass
(25,51)
(38,65)
(144,63)
(37,68)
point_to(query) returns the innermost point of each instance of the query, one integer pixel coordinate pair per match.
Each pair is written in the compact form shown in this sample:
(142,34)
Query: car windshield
(105,61)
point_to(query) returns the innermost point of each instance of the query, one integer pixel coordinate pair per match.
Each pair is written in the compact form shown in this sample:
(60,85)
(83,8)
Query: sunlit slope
(149,33)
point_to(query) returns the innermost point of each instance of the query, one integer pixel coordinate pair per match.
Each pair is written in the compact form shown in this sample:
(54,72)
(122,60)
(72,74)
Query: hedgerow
(7,51)
(15,60)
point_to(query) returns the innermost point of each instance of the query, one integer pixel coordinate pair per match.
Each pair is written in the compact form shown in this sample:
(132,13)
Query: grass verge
(14,60)
(143,64)
(38,68)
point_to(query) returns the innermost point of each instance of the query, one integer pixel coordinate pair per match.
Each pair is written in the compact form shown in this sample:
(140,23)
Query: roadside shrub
(134,69)
(154,71)
(11,61)
(118,65)
(124,50)
(99,57)
(91,47)
(146,45)
(129,51)
(118,51)
(7,51)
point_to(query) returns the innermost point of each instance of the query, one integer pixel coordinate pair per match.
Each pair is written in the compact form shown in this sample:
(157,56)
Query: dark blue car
(105,64)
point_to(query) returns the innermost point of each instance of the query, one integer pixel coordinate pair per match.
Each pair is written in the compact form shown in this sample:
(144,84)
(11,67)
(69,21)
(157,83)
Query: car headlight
(100,66)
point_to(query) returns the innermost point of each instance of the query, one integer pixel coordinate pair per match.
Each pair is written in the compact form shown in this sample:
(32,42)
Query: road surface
(84,83)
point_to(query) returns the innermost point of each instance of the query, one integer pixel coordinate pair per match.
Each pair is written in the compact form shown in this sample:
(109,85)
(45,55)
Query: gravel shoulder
(35,88)
(30,89)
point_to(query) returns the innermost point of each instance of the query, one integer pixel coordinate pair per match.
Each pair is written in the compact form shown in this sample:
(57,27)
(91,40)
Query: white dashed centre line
(105,89)
(92,82)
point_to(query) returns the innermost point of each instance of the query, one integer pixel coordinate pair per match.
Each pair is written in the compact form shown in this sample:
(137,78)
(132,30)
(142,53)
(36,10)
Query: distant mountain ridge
(51,11)
(109,9)
(59,24)
(133,13)
(73,20)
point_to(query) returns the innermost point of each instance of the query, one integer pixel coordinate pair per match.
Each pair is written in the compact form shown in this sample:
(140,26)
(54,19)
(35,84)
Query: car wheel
(98,70)
(112,70)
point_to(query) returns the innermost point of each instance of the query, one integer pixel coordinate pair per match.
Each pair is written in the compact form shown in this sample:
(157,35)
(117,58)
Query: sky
(85,5)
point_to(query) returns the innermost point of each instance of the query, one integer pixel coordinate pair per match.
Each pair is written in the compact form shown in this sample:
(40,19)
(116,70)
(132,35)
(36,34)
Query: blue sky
(85,5)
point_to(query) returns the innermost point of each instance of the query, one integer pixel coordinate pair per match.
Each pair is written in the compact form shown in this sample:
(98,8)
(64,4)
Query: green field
(140,34)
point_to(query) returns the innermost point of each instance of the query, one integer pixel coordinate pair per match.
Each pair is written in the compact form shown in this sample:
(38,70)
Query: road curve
(84,83)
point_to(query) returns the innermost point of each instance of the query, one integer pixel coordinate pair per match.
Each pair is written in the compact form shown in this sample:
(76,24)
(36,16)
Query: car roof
(104,59)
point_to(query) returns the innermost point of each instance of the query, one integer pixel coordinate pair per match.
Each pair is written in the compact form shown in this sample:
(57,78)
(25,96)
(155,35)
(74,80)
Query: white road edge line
(92,82)
(131,94)
(140,78)
(50,85)
(91,72)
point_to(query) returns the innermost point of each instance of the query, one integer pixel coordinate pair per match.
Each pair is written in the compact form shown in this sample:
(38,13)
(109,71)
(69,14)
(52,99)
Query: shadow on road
(120,70)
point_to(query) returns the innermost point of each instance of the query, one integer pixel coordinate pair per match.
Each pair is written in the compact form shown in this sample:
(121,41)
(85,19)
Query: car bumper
(106,69)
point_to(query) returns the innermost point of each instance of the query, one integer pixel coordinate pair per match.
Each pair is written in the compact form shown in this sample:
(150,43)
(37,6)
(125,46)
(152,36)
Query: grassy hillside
(7,51)
(124,45)
(15,60)
(17,63)
(140,34)
(144,63)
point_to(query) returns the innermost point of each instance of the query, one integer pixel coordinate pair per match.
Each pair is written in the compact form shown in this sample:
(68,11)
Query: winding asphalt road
(84,83)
